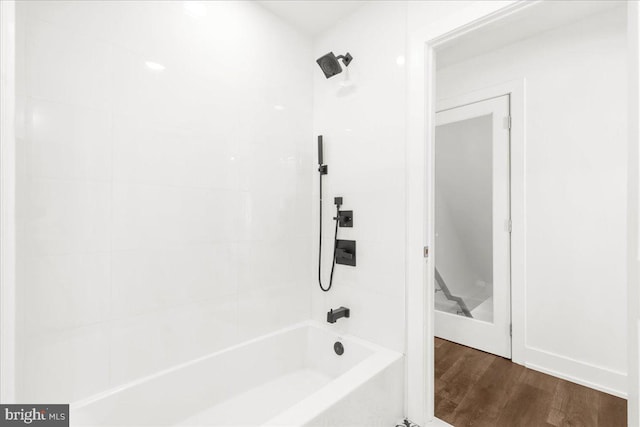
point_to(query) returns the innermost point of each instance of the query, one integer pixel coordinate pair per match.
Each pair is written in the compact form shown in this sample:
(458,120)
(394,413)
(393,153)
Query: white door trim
(633,210)
(421,46)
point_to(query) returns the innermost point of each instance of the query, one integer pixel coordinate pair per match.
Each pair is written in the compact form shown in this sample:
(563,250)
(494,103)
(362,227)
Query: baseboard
(586,374)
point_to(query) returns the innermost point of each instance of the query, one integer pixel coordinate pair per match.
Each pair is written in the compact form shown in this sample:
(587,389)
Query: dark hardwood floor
(474,388)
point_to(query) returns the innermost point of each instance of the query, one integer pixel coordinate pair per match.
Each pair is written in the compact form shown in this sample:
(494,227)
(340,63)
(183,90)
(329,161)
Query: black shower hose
(335,245)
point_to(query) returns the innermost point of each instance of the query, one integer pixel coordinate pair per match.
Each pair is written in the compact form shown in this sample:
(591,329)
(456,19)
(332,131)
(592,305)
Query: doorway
(472,225)
(558,168)
(544,333)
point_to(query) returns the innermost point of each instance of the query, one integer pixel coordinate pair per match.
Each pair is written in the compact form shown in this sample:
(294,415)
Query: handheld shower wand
(322,168)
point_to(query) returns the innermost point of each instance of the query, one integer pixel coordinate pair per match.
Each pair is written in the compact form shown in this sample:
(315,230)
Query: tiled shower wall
(163,186)
(363,124)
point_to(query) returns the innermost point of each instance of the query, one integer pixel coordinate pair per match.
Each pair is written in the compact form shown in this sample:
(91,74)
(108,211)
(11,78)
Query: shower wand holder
(323,169)
(344,218)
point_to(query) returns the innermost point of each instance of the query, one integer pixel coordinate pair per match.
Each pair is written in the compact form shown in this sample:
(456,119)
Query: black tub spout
(336,314)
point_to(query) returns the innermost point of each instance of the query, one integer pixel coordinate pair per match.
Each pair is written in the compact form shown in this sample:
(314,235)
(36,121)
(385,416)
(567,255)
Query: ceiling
(541,17)
(311,16)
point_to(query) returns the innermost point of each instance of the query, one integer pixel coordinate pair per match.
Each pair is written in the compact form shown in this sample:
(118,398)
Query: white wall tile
(148,280)
(150,216)
(273,215)
(201,328)
(137,346)
(267,264)
(65,367)
(269,309)
(67,217)
(364,140)
(68,142)
(380,269)
(172,97)
(149,154)
(93,19)
(375,317)
(66,67)
(66,292)
(142,345)
(162,205)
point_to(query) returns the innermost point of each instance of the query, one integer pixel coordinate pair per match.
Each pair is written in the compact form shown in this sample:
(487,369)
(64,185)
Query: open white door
(472,221)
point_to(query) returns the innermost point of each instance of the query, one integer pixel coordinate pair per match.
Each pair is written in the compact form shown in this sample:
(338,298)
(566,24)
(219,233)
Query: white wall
(364,133)
(575,191)
(375,112)
(374,140)
(162,214)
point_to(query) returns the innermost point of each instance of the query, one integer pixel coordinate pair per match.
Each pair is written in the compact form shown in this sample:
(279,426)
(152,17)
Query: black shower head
(331,66)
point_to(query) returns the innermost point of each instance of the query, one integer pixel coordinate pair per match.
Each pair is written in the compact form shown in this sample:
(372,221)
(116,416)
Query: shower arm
(346,58)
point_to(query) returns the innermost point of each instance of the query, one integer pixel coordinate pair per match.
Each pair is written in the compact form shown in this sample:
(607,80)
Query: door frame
(422,44)
(633,212)
(517,144)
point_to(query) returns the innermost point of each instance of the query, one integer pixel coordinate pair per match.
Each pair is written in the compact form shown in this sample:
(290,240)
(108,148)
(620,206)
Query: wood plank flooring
(478,389)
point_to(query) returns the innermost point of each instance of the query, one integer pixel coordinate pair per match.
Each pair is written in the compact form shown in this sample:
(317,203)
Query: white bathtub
(291,377)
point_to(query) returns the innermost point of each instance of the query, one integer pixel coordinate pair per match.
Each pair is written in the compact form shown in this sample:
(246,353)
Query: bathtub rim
(313,406)
(375,348)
